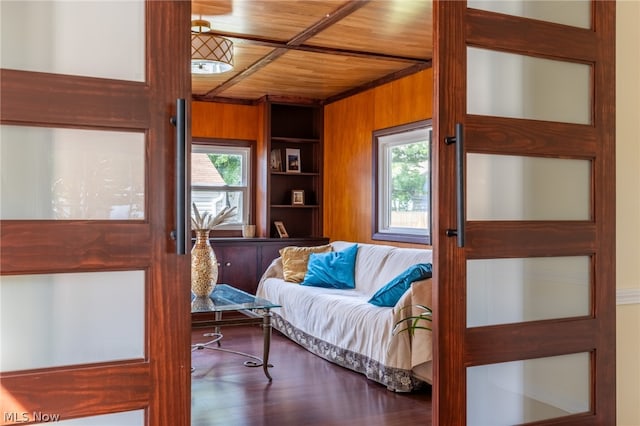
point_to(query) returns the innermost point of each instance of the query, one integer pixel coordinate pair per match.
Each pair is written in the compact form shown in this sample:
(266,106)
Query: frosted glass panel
(509,85)
(506,187)
(527,391)
(78,37)
(501,291)
(576,13)
(73,318)
(128,418)
(71,174)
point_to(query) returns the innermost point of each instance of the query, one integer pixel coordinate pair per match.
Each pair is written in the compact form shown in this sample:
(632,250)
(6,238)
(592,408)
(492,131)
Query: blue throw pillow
(335,269)
(394,289)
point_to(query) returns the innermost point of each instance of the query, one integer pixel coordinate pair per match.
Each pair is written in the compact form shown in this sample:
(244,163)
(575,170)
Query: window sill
(401,238)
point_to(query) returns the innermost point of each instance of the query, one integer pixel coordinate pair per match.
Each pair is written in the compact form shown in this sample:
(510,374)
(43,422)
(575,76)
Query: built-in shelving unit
(294,138)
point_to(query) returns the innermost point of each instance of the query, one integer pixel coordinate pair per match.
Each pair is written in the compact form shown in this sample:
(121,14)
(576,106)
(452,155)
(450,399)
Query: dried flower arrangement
(207,221)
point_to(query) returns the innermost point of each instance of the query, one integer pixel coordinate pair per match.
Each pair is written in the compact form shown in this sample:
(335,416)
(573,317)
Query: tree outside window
(220,178)
(402,206)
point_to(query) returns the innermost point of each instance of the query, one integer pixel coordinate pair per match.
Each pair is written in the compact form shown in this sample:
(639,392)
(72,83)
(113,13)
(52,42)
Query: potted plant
(421,321)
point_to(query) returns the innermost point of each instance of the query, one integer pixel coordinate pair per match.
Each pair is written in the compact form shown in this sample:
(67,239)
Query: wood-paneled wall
(348,128)
(348,147)
(224,121)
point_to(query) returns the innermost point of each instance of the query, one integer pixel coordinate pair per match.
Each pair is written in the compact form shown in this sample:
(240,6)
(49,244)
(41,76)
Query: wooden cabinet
(242,261)
(294,146)
(238,265)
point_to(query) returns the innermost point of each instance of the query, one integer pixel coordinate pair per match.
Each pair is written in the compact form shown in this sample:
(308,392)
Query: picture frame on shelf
(297,197)
(282,231)
(276,160)
(292,160)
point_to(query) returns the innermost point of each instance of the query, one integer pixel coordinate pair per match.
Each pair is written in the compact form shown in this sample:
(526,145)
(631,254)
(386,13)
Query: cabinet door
(238,266)
(269,253)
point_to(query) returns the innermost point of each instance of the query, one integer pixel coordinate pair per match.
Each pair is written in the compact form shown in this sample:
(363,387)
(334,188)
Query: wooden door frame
(158,383)
(170,311)
(455,346)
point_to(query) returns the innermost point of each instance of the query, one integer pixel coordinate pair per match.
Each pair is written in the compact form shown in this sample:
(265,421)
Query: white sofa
(342,327)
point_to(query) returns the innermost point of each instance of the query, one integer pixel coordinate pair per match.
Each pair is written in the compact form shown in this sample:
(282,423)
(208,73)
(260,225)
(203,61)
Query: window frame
(234,229)
(378,231)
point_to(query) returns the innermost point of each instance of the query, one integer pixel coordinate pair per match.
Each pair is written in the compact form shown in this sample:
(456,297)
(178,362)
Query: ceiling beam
(324,23)
(330,19)
(259,41)
(383,80)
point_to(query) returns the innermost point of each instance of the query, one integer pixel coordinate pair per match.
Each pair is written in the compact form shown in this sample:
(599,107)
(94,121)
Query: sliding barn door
(94,299)
(525,321)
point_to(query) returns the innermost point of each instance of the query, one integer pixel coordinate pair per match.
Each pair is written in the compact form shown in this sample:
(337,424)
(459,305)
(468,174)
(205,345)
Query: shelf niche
(295,127)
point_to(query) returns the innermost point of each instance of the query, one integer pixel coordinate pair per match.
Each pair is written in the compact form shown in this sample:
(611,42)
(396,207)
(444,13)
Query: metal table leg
(254,318)
(266,329)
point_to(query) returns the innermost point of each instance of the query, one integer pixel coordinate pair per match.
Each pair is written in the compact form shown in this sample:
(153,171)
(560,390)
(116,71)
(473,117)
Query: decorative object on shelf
(293,160)
(210,54)
(204,265)
(248,231)
(276,160)
(297,197)
(282,232)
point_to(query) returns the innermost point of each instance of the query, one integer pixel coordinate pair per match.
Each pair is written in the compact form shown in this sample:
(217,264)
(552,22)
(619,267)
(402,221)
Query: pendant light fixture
(210,54)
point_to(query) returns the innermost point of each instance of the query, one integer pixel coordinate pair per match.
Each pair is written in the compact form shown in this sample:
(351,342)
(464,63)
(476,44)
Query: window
(220,176)
(402,193)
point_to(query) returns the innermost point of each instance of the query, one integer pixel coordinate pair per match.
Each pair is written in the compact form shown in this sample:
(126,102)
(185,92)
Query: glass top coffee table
(226,298)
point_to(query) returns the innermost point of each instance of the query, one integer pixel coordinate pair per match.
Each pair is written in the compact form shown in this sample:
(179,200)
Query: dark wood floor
(306,390)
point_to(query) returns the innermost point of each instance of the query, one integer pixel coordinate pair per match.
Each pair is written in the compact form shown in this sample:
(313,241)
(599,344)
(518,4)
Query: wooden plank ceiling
(319,50)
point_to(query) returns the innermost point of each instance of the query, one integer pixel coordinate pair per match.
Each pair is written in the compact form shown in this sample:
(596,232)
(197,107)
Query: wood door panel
(160,384)
(528,137)
(529,36)
(536,339)
(168,315)
(47,246)
(499,239)
(72,100)
(78,391)
(456,28)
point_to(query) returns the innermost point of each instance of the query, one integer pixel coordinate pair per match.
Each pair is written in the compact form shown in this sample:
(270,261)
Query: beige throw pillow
(295,259)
